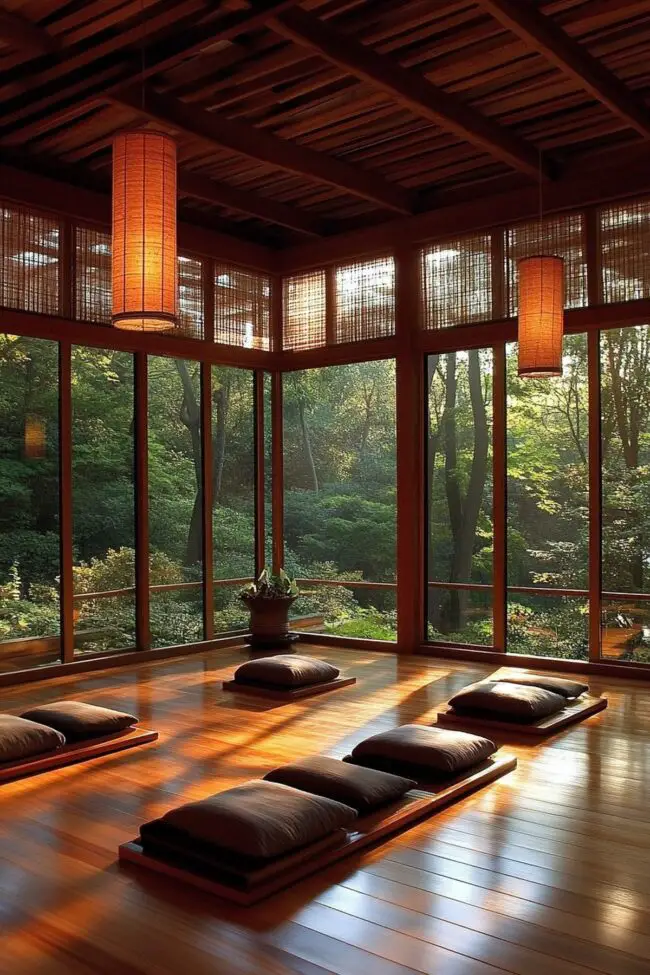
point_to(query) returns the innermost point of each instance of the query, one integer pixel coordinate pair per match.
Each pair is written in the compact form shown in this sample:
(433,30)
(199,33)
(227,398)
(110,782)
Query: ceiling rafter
(24,35)
(542,34)
(217,130)
(409,88)
(201,187)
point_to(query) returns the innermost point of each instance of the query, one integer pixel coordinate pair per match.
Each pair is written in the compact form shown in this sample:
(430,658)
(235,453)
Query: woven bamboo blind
(241,308)
(92,300)
(456,278)
(190,298)
(365,300)
(304,311)
(625,251)
(558,236)
(29,261)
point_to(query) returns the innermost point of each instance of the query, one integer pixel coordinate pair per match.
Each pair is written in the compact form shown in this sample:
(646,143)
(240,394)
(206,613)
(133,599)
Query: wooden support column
(141,468)
(594,296)
(66,590)
(207,500)
(499,500)
(277,467)
(499,482)
(410,407)
(259,466)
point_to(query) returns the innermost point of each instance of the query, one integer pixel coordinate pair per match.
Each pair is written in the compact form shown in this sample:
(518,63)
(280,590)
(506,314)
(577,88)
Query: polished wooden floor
(546,872)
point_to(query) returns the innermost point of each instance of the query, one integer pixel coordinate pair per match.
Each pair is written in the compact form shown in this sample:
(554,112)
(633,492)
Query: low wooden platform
(80,751)
(414,806)
(287,694)
(575,711)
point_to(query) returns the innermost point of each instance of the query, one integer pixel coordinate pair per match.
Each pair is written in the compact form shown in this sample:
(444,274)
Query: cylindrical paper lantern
(145,287)
(541,316)
(34,437)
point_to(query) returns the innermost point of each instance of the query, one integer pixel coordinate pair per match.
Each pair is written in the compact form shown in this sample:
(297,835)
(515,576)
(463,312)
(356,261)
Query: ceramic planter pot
(269,622)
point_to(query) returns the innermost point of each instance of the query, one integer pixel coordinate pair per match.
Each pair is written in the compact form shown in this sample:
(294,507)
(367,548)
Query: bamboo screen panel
(304,311)
(456,278)
(365,301)
(625,251)
(242,303)
(190,298)
(29,261)
(92,299)
(560,236)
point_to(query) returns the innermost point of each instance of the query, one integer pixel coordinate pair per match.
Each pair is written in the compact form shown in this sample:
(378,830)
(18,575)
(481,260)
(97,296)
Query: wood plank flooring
(546,872)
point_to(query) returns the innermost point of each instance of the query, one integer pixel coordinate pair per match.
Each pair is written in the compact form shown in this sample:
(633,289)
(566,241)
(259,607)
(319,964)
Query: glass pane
(29,503)
(625,441)
(548,626)
(469,610)
(459,485)
(626,630)
(103,499)
(548,517)
(175,502)
(339,455)
(625,424)
(346,610)
(233,480)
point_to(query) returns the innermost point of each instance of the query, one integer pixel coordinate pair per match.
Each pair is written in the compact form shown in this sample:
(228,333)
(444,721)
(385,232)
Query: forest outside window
(339,502)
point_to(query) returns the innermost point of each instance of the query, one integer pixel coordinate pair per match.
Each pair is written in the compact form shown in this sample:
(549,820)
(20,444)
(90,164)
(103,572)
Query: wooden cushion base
(575,711)
(287,693)
(414,806)
(76,752)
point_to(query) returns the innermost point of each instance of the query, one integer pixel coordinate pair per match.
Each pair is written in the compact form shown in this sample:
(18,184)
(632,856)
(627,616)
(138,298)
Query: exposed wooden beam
(409,88)
(217,130)
(245,201)
(589,181)
(54,196)
(542,34)
(21,33)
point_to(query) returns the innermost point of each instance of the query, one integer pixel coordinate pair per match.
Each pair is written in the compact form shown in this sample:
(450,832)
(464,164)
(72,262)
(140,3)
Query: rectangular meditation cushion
(79,721)
(286,670)
(21,739)
(433,749)
(258,819)
(558,685)
(363,789)
(512,702)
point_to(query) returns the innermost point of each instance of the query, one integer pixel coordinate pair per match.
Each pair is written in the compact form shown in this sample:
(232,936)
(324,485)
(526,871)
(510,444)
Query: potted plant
(269,600)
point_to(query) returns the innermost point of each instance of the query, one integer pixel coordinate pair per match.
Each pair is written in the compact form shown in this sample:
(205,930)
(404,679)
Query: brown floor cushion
(363,789)
(286,670)
(79,721)
(558,685)
(258,819)
(512,702)
(23,739)
(435,749)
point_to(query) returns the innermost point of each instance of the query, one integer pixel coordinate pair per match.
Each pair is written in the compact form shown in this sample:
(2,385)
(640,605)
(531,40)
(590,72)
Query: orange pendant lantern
(541,316)
(145,285)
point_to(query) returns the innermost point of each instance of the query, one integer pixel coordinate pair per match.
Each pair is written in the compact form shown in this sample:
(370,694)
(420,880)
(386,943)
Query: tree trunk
(191,418)
(307,445)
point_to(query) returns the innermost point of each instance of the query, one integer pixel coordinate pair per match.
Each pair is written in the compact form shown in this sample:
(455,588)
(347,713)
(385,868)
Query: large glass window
(459,489)
(339,455)
(175,502)
(625,438)
(29,503)
(233,486)
(103,500)
(548,526)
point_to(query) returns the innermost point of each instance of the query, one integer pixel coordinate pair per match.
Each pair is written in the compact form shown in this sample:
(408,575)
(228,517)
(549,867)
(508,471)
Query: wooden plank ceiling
(298,121)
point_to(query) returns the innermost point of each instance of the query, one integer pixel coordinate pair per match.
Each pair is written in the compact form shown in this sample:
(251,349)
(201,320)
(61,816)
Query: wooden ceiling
(300,121)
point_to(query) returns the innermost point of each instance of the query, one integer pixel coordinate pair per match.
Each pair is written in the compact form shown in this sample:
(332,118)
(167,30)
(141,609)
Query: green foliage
(271,585)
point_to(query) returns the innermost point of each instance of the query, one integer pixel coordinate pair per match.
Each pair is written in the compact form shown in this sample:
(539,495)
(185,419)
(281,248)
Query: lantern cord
(541,199)
(142,53)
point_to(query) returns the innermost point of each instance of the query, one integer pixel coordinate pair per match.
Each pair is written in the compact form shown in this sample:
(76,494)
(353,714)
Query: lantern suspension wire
(541,306)
(144,253)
